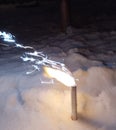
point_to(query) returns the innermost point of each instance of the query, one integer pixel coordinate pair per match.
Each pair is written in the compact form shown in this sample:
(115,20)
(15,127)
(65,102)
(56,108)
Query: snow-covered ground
(28,104)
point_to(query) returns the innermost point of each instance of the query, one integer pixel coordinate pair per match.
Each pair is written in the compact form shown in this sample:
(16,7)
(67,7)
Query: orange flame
(61,76)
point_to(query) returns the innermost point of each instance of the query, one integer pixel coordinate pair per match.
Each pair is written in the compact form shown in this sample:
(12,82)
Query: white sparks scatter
(35,58)
(47,82)
(7,37)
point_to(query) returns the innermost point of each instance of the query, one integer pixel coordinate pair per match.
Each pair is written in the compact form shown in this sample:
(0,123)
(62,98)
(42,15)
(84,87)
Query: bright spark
(36,59)
(61,76)
(25,47)
(7,37)
(47,82)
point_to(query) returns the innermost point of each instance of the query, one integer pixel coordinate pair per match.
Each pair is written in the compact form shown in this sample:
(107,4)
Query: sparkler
(35,58)
(68,80)
(55,69)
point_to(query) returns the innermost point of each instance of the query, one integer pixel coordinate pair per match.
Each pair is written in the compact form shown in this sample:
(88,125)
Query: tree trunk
(64,15)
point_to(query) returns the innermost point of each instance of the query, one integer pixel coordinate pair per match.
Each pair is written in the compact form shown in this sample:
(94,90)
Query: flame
(36,59)
(61,76)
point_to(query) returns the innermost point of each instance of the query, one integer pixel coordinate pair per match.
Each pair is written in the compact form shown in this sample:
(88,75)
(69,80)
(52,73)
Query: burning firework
(36,59)
(54,69)
(61,76)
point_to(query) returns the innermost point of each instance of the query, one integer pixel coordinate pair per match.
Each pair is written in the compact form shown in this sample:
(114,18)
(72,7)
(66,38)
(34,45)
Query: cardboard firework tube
(73,103)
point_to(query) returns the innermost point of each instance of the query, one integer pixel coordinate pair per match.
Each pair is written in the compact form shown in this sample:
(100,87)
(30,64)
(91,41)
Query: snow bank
(26,104)
(97,93)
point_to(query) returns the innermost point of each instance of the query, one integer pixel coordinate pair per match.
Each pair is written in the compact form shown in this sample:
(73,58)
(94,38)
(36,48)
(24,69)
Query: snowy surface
(28,104)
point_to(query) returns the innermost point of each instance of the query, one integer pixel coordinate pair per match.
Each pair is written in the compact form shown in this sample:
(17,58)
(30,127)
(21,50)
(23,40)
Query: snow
(28,104)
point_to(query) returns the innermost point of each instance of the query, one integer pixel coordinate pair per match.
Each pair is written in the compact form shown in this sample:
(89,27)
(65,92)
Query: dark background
(30,16)
(79,9)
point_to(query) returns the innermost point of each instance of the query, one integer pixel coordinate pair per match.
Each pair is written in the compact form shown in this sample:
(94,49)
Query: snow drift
(26,104)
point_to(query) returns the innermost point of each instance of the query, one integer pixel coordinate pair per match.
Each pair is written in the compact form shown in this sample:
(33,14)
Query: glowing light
(55,69)
(61,76)
(47,82)
(38,58)
(7,37)
(25,47)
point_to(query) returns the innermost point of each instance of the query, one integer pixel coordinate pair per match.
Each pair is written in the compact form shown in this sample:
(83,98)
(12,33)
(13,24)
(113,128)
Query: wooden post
(74,103)
(64,15)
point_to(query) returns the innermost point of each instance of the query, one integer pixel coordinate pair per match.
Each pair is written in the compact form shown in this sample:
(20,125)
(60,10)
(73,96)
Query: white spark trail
(47,82)
(25,47)
(35,58)
(7,37)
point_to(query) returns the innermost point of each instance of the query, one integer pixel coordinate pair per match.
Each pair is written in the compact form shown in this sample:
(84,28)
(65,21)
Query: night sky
(29,13)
